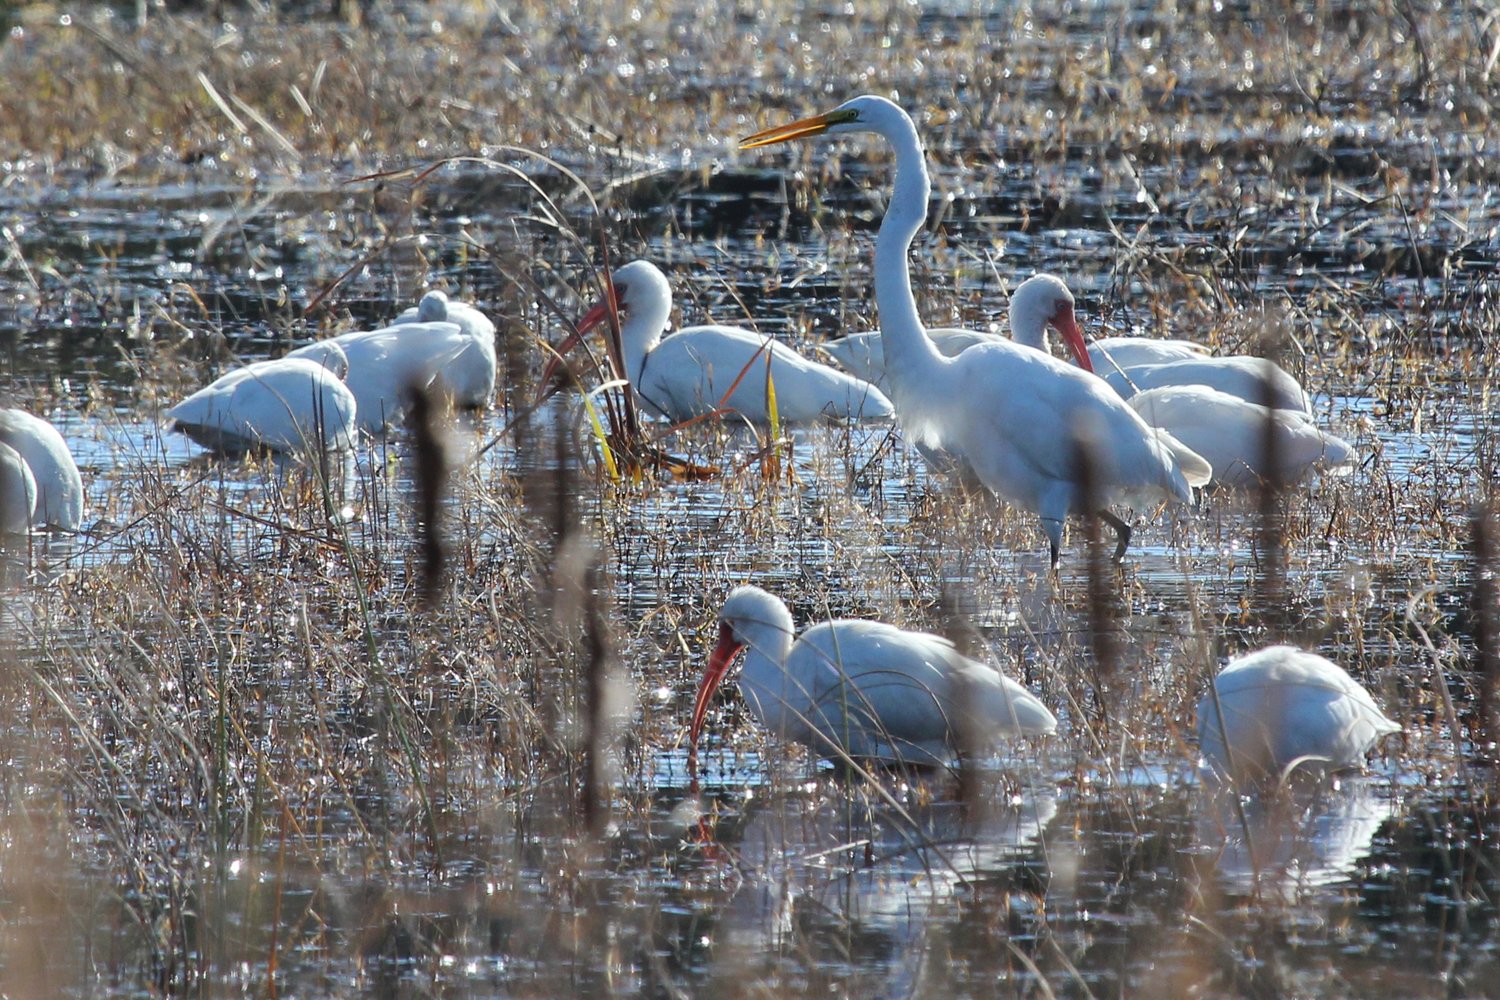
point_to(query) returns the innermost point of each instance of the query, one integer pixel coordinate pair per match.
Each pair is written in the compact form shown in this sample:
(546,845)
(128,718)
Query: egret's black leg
(1122,531)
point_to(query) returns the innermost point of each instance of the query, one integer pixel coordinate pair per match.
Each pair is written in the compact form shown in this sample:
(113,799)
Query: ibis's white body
(59,487)
(871,690)
(1011,412)
(290,404)
(1254,380)
(689,373)
(17,492)
(1231,434)
(1282,704)
(447,346)
(1111,353)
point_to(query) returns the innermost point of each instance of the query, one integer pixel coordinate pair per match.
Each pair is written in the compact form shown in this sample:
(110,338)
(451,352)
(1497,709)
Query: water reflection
(1307,835)
(854,880)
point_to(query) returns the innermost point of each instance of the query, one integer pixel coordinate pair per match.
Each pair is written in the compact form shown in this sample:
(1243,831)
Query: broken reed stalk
(575,590)
(430,477)
(1103,638)
(596,666)
(971,738)
(1271,494)
(1484,597)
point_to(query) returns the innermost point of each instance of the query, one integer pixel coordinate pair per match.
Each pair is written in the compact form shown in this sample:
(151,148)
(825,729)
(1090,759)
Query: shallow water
(1107,868)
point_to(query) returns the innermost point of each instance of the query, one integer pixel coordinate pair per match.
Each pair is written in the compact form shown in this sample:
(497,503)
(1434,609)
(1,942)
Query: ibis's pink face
(591,319)
(1064,323)
(718,666)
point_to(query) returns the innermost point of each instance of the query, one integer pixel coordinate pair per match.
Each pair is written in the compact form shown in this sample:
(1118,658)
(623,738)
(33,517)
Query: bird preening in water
(290,404)
(1281,707)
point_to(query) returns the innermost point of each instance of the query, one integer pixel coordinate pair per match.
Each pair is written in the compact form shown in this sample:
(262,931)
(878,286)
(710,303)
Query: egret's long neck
(904,341)
(642,331)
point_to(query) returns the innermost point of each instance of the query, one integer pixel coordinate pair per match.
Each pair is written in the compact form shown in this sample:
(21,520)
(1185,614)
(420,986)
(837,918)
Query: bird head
(1042,301)
(861,114)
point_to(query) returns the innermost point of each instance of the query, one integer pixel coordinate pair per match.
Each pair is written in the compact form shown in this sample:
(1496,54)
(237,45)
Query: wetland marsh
(246,754)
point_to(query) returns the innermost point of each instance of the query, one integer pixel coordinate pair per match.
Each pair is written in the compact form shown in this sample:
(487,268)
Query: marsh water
(1097,866)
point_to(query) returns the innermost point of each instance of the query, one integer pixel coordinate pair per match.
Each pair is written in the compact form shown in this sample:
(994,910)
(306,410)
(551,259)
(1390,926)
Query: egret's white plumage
(1281,704)
(59,487)
(1231,434)
(1012,413)
(872,690)
(290,404)
(17,492)
(860,354)
(689,373)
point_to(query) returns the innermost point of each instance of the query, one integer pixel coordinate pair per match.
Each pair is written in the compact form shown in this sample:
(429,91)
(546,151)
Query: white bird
(860,354)
(862,688)
(690,373)
(17,492)
(1013,413)
(59,487)
(1044,299)
(290,404)
(1033,306)
(1255,380)
(1136,364)
(1282,706)
(1231,434)
(436,307)
(455,355)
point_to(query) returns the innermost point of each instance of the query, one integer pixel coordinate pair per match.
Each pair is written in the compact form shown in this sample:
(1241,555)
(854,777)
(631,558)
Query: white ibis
(1282,706)
(1228,431)
(864,689)
(17,492)
(1033,305)
(1013,413)
(1044,300)
(1231,434)
(1255,380)
(59,487)
(454,355)
(290,404)
(436,307)
(704,370)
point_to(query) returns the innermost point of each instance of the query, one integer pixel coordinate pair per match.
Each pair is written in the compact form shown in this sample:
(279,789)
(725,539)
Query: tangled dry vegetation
(244,741)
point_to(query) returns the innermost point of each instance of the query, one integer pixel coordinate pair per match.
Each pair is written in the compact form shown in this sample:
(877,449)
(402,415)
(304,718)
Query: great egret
(861,688)
(1015,415)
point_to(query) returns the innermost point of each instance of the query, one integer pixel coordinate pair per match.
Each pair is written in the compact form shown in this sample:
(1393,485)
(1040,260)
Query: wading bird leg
(1122,531)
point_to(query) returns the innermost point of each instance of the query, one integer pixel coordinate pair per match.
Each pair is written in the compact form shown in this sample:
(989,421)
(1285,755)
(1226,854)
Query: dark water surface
(1108,869)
